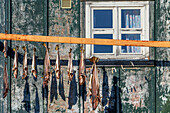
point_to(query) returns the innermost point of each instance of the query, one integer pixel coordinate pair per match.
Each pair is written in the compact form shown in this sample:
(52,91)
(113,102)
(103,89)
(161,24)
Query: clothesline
(74,40)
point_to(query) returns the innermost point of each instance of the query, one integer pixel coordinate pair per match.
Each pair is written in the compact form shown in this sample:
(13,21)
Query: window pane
(102,18)
(130,49)
(130,18)
(103,48)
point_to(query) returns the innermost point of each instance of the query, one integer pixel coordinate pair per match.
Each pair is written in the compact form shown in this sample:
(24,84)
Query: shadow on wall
(37,103)
(72,99)
(105,88)
(61,87)
(26,100)
(114,101)
(53,90)
(83,91)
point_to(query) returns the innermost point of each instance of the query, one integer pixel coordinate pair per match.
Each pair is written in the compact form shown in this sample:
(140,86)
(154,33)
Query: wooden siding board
(162,71)
(2,16)
(27,18)
(65,22)
(3,102)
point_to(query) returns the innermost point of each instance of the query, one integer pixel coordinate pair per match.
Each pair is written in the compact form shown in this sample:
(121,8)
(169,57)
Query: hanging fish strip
(46,67)
(5,82)
(15,65)
(34,64)
(25,64)
(82,75)
(5,48)
(70,66)
(57,66)
(95,99)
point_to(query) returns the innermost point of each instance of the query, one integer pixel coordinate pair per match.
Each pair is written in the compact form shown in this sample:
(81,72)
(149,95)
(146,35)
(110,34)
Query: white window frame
(117,30)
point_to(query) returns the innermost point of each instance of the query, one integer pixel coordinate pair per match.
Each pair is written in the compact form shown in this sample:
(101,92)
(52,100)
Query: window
(117,20)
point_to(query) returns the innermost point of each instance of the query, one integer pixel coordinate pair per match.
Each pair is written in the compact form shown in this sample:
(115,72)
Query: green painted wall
(162,54)
(152,84)
(3,102)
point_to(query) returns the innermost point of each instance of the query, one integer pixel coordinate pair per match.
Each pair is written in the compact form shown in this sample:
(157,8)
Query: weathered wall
(163,56)
(3,102)
(133,89)
(137,89)
(27,18)
(64,22)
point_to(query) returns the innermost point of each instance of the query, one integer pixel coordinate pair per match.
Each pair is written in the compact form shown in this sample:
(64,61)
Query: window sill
(124,63)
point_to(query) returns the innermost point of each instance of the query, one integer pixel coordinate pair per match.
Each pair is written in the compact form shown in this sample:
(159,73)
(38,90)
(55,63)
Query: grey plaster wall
(65,22)
(27,18)
(133,89)
(3,102)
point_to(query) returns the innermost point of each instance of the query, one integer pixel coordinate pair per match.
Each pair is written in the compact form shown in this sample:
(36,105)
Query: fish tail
(34,49)
(57,47)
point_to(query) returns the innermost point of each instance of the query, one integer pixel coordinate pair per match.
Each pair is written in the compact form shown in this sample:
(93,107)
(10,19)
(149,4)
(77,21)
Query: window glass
(130,49)
(130,18)
(102,18)
(103,48)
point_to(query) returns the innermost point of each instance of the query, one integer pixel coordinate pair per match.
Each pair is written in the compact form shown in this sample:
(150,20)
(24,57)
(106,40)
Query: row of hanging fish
(94,82)
(70,70)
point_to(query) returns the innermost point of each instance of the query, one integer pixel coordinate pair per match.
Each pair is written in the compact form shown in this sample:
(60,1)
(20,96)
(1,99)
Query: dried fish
(5,48)
(70,66)
(15,65)
(25,65)
(95,99)
(57,66)
(5,82)
(82,75)
(34,64)
(46,67)
(90,85)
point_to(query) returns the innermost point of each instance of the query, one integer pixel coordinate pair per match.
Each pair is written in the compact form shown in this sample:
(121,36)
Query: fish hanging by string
(25,64)
(90,85)
(82,75)
(34,64)
(15,65)
(95,99)
(5,82)
(70,66)
(57,65)
(5,48)
(46,67)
